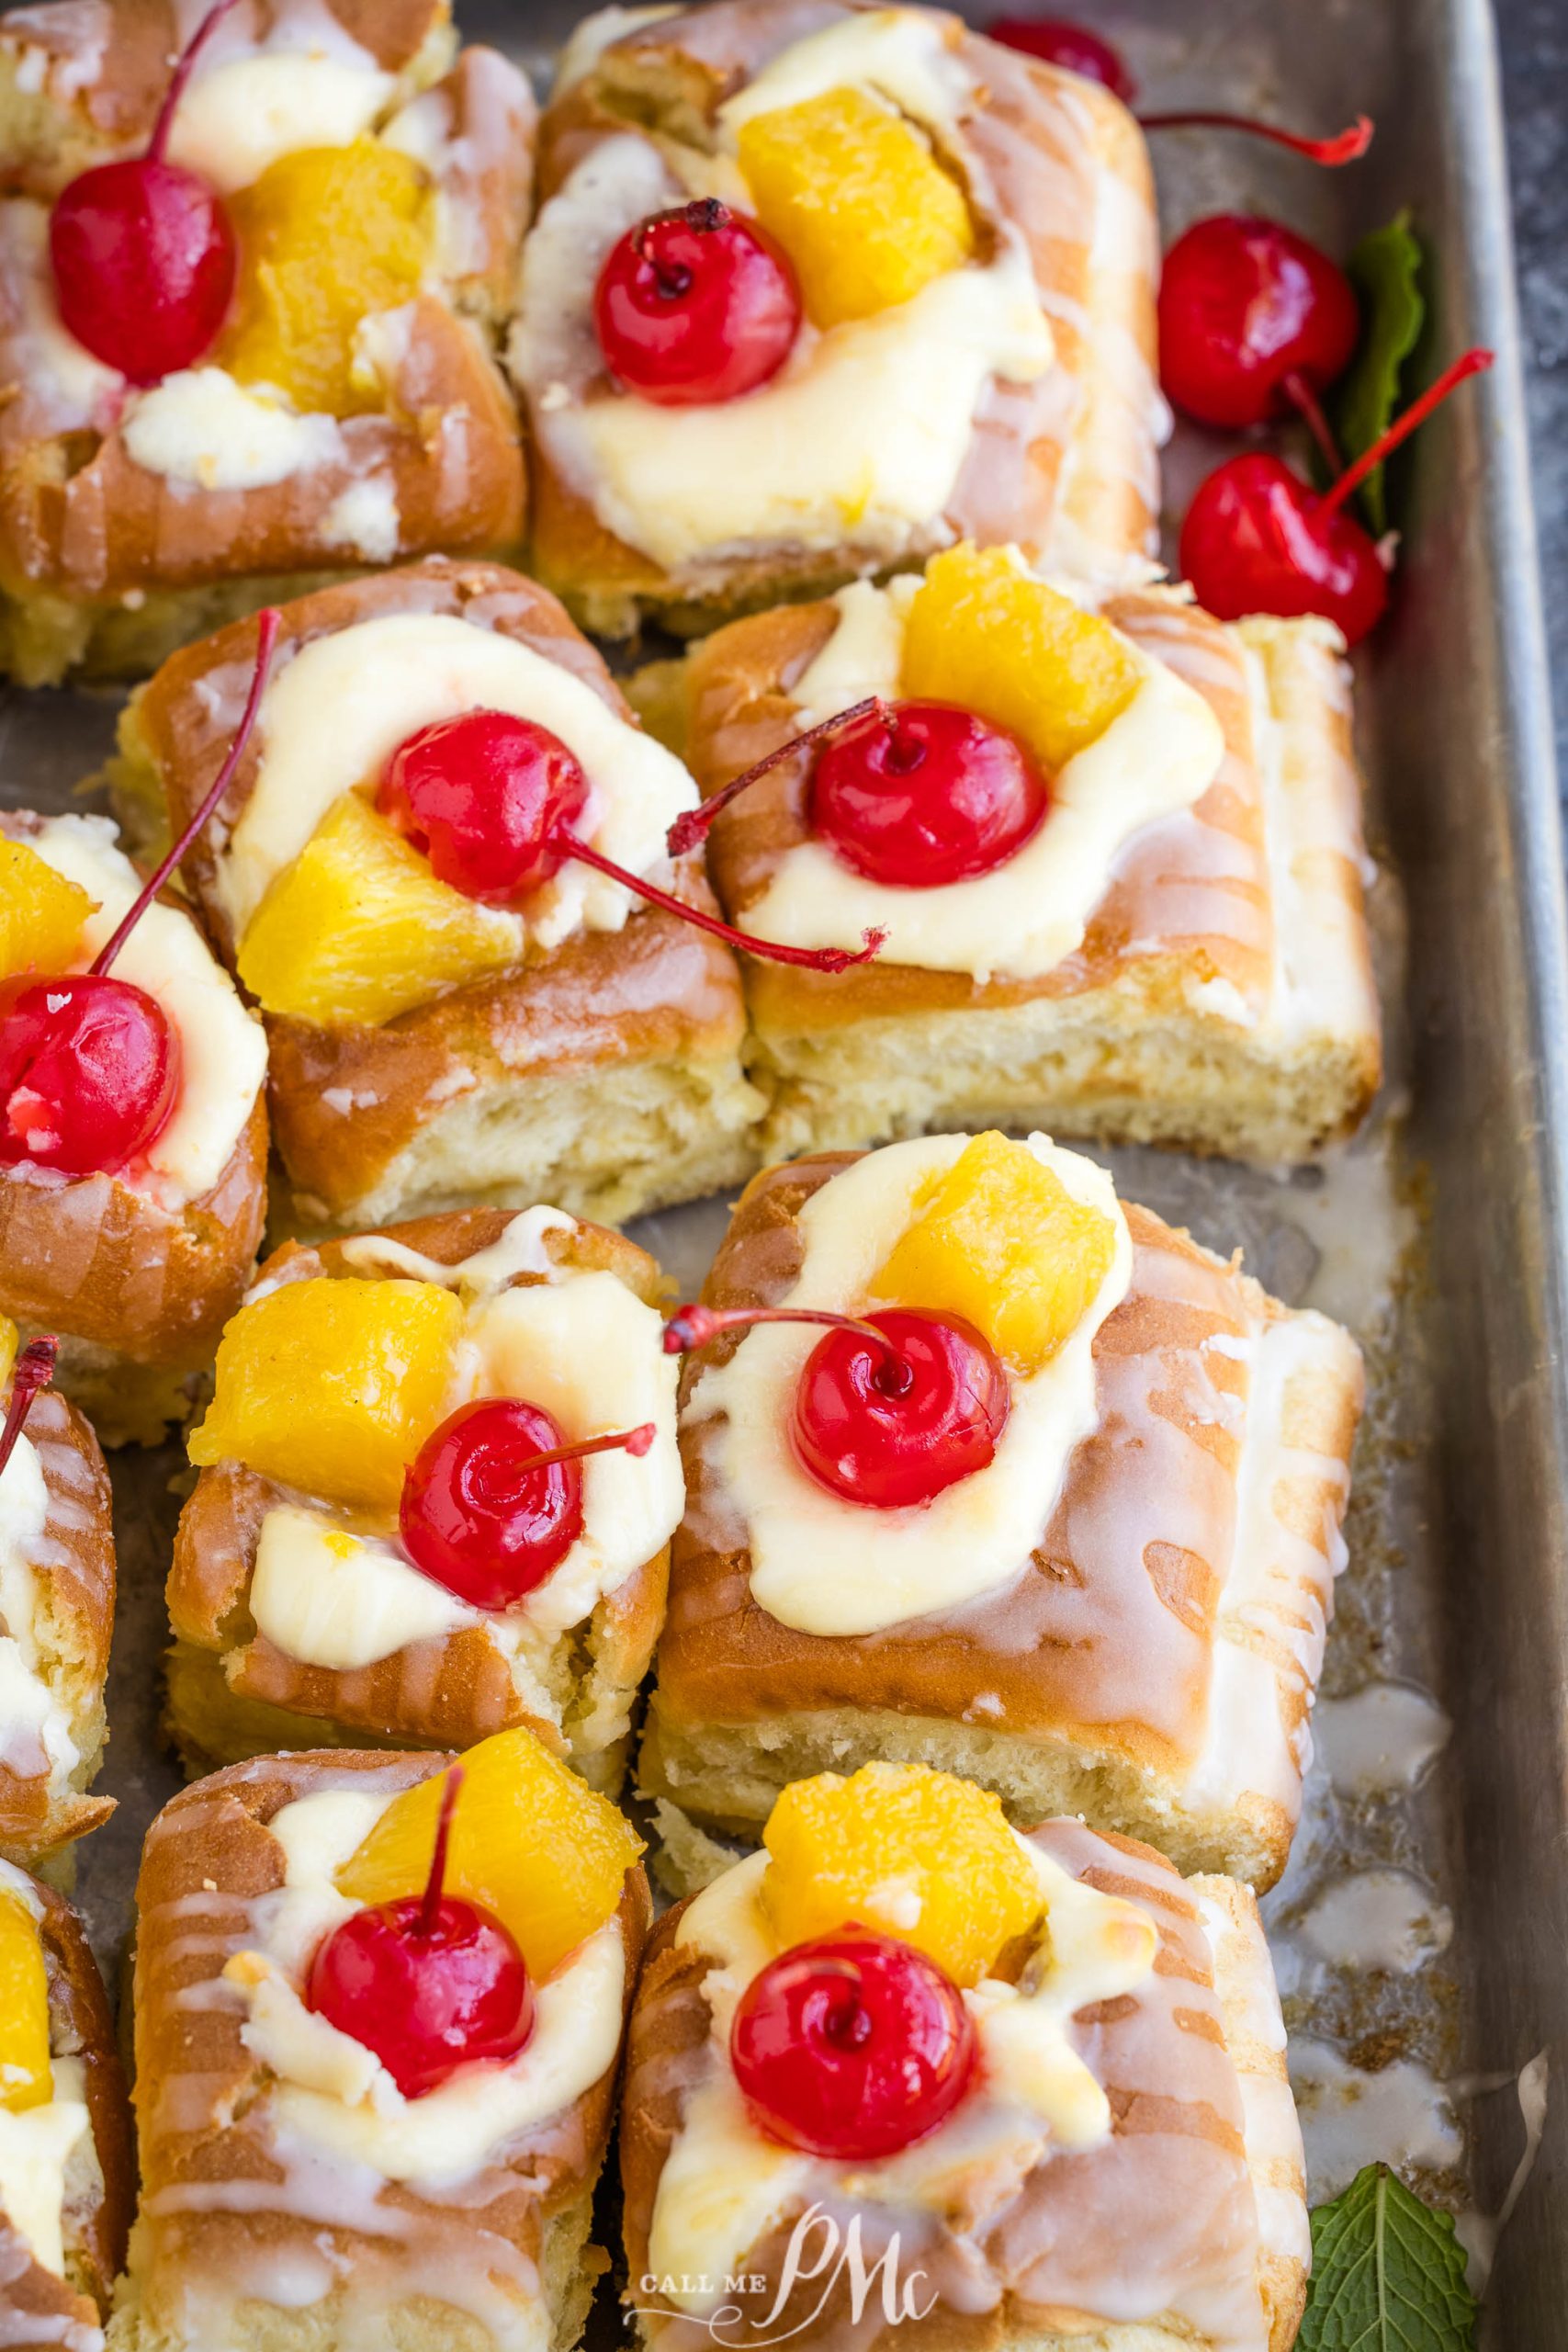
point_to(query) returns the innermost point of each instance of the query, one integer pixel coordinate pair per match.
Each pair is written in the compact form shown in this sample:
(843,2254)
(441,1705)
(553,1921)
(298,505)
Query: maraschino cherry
(1253,322)
(90,1065)
(891,1409)
(1259,540)
(1056,41)
(851,2046)
(695,306)
(492,801)
(143,252)
(492,1502)
(33,1370)
(429,1983)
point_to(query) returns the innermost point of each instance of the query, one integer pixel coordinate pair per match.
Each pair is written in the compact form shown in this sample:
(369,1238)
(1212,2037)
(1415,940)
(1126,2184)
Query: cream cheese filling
(38,2144)
(34,1726)
(825,1566)
(239,116)
(202,428)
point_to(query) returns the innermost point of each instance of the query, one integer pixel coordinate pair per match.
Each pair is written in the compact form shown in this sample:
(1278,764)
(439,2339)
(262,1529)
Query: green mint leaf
(1385,270)
(1388,2274)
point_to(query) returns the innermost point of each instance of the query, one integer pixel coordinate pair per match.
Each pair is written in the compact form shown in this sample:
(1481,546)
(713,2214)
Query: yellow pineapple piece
(332,1386)
(1002,1242)
(27,2078)
(907,1851)
(530,1842)
(983,634)
(358,929)
(10,1341)
(857,200)
(327,236)
(41,913)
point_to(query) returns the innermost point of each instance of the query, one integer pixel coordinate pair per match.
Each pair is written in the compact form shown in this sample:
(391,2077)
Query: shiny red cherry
(1056,41)
(891,1409)
(33,1370)
(1249,314)
(851,2047)
(920,793)
(492,1502)
(428,1983)
(695,306)
(144,253)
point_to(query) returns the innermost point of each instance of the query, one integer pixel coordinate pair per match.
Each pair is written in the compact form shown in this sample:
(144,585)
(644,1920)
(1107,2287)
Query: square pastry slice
(67,2170)
(351,2134)
(320,392)
(57,1588)
(366,1557)
(1031,2087)
(919,272)
(1070,1525)
(1125,895)
(528,1029)
(132,1128)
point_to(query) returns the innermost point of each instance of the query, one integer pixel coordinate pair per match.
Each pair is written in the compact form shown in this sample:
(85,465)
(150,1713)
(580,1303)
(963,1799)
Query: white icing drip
(1380,1739)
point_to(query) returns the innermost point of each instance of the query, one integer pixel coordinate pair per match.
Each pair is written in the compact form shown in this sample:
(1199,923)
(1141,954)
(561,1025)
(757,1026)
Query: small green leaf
(1385,270)
(1388,2274)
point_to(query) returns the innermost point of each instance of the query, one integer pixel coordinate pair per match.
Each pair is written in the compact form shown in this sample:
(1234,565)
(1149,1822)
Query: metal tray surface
(1422,1931)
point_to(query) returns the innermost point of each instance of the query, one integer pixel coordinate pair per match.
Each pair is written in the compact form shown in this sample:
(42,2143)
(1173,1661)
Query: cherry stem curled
(633,1442)
(814,959)
(1346,146)
(1469,363)
(695,1326)
(181,76)
(694,826)
(269,624)
(429,1910)
(34,1369)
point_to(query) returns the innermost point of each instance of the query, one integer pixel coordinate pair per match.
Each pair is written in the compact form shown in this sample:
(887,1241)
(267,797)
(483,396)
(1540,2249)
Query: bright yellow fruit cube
(327,235)
(10,1341)
(27,2078)
(358,929)
(857,200)
(1002,1242)
(983,634)
(908,1851)
(41,913)
(530,1842)
(332,1386)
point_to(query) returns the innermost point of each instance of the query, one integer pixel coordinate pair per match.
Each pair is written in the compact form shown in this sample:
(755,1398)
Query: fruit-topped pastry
(1036,2080)
(438,1480)
(378,2008)
(67,2170)
(255,264)
(803,301)
(1114,848)
(442,872)
(985,1463)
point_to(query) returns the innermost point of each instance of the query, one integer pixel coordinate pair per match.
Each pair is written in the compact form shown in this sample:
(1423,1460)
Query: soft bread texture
(1223,998)
(44,1808)
(1201,2179)
(1067,465)
(603,1077)
(108,566)
(1092,1681)
(233,1693)
(38,2309)
(220,2215)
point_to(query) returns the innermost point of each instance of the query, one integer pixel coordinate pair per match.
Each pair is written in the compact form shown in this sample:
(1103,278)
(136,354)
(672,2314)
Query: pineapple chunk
(904,1850)
(332,1386)
(10,1341)
(1002,1242)
(530,1842)
(857,200)
(358,929)
(27,2078)
(41,913)
(327,235)
(983,634)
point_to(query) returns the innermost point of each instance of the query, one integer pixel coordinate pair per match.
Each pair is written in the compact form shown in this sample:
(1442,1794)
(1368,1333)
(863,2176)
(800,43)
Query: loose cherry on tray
(492,801)
(1056,41)
(891,1409)
(33,1370)
(492,1502)
(142,250)
(851,2046)
(695,306)
(1258,539)
(89,1064)
(429,1983)
(1253,322)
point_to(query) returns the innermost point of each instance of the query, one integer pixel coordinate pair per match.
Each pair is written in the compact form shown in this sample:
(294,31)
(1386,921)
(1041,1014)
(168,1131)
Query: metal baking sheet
(1421,1932)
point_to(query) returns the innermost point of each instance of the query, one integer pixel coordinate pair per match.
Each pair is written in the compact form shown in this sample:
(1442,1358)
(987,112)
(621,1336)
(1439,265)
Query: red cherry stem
(429,1910)
(1300,394)
(814,959)
(34,1369)
(1469,363)
(633,1442)
(181,76)
(1346,146)
(695,1326)
(695,823)
(268,624)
